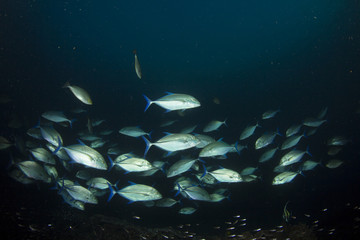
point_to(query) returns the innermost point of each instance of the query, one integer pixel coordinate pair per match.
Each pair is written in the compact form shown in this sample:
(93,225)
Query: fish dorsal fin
(169,93)
(81,142)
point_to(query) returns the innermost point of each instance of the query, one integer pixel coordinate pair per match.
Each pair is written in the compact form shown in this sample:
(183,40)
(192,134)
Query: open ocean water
(239,59)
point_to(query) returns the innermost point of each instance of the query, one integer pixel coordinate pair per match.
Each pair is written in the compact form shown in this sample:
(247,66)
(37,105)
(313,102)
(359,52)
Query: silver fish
(174,101)
(270,114)
(79,93)
(265,139)
(173,142)
(218,148)
(268,155)
(313,122)
(226,175)
(137,65)
(133,132)
(180,167)
(248,131)
(34,170)
(214,125)
(291,141)
(294,129)
(293,156)
(137,192)
(284,177)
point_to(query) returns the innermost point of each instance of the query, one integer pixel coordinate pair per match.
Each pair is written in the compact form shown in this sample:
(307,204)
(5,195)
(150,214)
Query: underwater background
(238,58)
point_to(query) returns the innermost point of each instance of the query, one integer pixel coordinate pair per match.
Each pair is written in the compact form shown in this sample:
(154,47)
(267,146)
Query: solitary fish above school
(174,101)
(173,142)
(137,65)
(248,131)
(79,93)
(213,125)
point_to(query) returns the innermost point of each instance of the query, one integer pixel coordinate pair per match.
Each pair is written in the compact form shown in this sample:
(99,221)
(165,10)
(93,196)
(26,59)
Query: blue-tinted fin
(225,122)
(149,134)
(307,151)
(205,171)
(126,172)
(220,140)
(169,93)
(168,154)
(178,191)
(112,192)
(278,132)
(130,201)
(148,102)
(81,142)
(148,145)
(236,147)
(72,121)
(111,163)
(59,146)
(131,183)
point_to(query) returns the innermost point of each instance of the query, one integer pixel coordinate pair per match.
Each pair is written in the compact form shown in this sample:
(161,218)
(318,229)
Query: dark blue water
(251,55)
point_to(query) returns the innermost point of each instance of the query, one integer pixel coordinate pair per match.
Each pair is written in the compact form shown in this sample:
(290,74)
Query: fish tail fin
(307,151)
(148,145)
(236,147)
(58,147)
(148,102)
(224,122)
(205,171)
(67,84)
(134,51)
(112,192)
(37,124)
(72,121)
(111,163)
(149,134)
(278,132)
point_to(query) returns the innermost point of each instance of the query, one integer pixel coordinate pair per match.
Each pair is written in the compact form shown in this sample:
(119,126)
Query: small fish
(4,143)
(187,210)
(248,131)
(337,141)
(57,117)
(313,122)
(214,125)
(79,93)
(270,114)
(293,156)
(268,155)
(266,139)
(294,129)
(284,177)
(334,163)
(286,214)
(291,141)
(136,192)
(137,65)
(133,131)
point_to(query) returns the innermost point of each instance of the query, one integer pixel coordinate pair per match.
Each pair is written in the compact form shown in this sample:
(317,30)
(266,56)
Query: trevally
(133,164)
(284,177)
(291,141)
(174,101)
(57,117)
(34,170)
(133,131)
(268,154)
(248,131)
(294,129)
(137,65)
(218,148)
(214,125)
(43,155)
(85,155)
(173,142)
(179,167)
(266,139)
(313,122)
(270,114)
(137,192)
(79,93)
(293,156)
(226,175)
(81,194)
(51,135)
(204,140)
